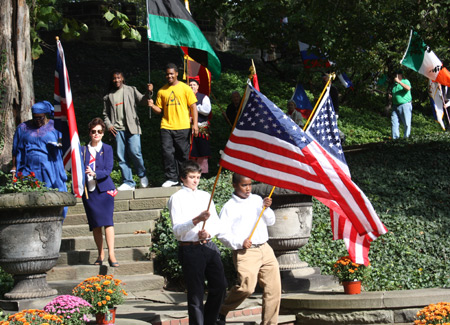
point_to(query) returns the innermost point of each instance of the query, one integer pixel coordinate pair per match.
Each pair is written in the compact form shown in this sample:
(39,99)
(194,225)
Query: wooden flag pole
(332,76)
(220,167)
(260,215)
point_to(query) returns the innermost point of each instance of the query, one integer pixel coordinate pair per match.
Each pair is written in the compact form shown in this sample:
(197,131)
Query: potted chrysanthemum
(32,317)
(72,309)
(350,274)
(104,293)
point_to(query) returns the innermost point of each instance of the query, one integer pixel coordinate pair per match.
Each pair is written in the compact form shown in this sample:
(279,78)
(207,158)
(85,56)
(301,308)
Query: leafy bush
(6,282)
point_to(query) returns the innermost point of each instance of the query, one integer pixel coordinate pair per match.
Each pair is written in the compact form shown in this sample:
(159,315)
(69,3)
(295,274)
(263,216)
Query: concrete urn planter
(30,232)
(292,229)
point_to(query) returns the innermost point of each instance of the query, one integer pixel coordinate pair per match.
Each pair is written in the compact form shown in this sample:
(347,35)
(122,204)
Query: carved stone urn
(292,229)
(30,232)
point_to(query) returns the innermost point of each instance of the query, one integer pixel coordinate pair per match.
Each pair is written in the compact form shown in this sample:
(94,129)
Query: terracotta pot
(352,287)
(108,318)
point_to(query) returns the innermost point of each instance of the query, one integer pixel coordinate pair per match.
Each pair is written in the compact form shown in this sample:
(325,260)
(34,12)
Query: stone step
(70,231)
(132,283)
(307,279)
(80,272)
(87,257)
(119,216)
(145,203)
(121,241)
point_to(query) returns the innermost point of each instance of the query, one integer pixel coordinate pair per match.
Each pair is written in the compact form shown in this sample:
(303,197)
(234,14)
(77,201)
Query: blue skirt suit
(99,205)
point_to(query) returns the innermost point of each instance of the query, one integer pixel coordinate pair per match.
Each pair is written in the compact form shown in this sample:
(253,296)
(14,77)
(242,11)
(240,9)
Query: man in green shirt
(402,107)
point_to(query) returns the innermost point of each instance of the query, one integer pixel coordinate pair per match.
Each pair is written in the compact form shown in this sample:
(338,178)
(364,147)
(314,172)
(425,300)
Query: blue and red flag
(66,123)
(302,103)
(345,80)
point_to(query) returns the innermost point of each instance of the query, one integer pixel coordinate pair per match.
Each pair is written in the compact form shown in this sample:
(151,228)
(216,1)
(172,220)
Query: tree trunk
(16,73)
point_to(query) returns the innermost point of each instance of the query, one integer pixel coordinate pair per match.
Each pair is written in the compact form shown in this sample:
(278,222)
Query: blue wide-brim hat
(43,107)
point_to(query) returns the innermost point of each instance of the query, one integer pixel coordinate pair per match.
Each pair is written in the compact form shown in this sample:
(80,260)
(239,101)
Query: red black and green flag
(170,23)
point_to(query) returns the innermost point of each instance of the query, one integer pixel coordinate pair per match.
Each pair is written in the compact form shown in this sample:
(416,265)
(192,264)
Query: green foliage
(44,15)
(165,250)
(21,183)
(6,283)
(119,21)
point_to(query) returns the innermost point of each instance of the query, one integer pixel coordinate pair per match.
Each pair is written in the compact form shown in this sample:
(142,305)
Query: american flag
(268,146)
(323,129)
(66,123)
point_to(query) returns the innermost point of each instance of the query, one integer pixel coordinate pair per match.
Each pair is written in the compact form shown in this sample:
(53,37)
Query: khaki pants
(256,265)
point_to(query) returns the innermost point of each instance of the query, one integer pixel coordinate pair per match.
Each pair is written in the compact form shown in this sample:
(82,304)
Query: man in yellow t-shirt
(175,100)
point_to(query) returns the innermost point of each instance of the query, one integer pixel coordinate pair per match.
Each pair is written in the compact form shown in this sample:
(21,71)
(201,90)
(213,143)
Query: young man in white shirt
(253,258)
(198,255)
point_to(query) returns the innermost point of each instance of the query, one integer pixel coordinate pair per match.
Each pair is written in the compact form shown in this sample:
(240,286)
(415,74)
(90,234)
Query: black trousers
(202,262)
(175,150)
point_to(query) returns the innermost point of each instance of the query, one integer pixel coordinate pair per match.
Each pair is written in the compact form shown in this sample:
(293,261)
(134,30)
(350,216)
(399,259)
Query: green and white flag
(170,23)
(419,57)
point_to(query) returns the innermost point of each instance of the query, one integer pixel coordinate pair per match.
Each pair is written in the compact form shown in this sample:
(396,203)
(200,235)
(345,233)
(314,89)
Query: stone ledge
(384,307)
(366,300)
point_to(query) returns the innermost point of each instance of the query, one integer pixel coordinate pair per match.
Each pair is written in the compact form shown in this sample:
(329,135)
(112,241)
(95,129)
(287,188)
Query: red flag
(66,123)
(253,76)
(268,146)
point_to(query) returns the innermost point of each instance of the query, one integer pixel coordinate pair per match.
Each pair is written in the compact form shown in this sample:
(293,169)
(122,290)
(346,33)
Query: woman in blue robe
(37,148)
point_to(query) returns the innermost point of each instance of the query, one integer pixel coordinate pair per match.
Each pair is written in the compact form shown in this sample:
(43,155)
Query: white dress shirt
(187,204)
(239,216)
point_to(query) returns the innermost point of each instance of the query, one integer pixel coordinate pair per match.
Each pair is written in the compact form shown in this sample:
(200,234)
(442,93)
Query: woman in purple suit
(98,197)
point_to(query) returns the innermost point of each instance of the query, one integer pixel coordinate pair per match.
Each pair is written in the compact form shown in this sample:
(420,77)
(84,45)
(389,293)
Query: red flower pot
(108,318)
(352,287)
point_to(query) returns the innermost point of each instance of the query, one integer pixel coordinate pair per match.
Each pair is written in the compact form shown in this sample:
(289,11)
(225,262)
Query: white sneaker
(169,183)
(125,187)
(144,181)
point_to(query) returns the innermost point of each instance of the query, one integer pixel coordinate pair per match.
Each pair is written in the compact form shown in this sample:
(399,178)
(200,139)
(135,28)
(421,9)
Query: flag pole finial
(57,38)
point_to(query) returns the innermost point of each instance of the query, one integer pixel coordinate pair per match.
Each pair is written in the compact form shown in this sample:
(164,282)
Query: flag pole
(332,76)
(148,55)
(220,167)
(260,215)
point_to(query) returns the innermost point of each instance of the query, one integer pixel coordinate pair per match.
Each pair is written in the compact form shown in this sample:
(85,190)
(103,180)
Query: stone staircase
(135,214)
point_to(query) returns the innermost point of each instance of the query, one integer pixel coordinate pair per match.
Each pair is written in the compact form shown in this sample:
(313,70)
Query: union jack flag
(66,123)
(268,146)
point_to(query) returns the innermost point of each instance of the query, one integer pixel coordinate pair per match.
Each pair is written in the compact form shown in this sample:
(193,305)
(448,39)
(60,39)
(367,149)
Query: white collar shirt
(187,204)
(239,216)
